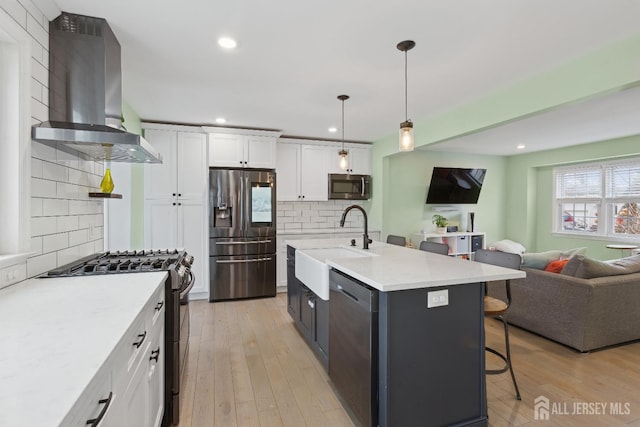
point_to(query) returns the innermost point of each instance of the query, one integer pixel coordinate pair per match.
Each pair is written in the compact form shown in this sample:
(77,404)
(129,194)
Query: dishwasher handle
(359,292)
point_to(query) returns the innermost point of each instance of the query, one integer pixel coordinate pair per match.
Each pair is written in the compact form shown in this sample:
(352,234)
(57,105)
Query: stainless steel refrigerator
(242,233)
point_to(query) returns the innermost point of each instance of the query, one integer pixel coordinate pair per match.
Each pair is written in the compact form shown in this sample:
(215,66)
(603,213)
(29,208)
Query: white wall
(65,223)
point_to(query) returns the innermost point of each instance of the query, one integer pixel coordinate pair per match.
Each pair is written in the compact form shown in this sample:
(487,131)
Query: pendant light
(344,161)
(406,127)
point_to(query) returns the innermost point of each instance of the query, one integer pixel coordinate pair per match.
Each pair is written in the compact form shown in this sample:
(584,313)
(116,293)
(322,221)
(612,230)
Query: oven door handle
(192,281)
(252,242)
(233,261)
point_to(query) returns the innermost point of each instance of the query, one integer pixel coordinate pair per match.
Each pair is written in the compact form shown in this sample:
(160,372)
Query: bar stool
(396,240)
(496,308)
(435,247)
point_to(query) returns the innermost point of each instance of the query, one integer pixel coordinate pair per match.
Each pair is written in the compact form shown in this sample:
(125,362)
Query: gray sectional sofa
(583,313)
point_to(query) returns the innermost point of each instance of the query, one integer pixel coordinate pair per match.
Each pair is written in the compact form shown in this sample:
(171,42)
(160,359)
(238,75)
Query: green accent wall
(530,193)
(133,124)
(511,202)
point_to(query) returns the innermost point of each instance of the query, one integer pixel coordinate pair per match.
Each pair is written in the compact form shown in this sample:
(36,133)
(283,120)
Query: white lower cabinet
(129,388)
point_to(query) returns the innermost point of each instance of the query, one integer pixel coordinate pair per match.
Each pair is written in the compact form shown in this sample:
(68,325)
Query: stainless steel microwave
(349,187)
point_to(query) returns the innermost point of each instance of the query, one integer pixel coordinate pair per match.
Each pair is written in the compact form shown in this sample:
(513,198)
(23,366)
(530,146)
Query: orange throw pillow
(556,266)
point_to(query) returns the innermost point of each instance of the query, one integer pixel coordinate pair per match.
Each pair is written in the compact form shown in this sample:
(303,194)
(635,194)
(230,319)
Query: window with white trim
(599,199)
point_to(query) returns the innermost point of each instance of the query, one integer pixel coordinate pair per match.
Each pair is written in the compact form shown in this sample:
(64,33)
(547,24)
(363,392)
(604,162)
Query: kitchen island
(64,339)
(426,327)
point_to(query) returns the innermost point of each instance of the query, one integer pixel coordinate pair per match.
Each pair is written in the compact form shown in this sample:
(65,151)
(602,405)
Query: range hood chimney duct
(85,94)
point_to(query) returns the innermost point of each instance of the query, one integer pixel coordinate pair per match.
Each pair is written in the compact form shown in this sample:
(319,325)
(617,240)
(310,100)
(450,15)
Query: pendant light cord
(406,115)
(343,125)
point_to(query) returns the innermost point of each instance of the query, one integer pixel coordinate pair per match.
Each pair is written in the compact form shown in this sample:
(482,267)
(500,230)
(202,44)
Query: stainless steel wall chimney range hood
(85,94)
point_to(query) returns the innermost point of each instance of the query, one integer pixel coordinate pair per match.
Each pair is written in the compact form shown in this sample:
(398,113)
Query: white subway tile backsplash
(35,28)
(55,242)
(39,72)
(69,191)
(41,226)
(78,237)
(55,207)
(67,159)
(72,253)
(86,221)
(43,151)
(39,264)
(67,223)
(55,172)
(42,187)
(39,110)
(36,168)
(16,11)
(36,207)
(36,245)
(317,215)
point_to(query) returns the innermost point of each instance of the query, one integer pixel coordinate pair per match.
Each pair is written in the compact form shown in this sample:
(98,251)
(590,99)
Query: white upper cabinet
(242,151)
(302,172)
(183,172)
(359,159)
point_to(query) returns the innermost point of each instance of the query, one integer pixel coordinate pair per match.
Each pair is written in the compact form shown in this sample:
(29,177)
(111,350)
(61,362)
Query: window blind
(623,180)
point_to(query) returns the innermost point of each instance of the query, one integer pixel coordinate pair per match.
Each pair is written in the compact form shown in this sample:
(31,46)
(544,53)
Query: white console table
(461,244)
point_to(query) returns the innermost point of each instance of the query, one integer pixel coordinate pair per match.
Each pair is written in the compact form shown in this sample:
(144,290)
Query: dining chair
(396,240)
(435,247)
(496,308)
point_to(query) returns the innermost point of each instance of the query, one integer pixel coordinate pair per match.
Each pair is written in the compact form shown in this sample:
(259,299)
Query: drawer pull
(142,336)
(155,354)
(106,402)
(159,305)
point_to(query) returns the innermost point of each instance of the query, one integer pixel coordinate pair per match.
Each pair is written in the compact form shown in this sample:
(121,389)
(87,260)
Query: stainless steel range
(178,284)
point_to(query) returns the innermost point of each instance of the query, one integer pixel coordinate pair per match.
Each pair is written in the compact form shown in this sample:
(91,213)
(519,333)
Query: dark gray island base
(392,359)
(431,360)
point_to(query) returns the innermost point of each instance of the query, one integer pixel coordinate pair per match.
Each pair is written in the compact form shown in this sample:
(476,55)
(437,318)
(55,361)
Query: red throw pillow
(556,266)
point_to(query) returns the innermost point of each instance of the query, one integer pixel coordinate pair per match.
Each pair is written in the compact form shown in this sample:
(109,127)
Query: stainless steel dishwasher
(353,345)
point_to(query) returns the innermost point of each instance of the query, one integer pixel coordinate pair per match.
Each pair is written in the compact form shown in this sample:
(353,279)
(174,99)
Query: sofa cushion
(539,260)
(587,268)
(556,266)
(507,245)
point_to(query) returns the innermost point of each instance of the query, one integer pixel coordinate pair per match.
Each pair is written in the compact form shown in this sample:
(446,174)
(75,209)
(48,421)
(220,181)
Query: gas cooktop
(114,262)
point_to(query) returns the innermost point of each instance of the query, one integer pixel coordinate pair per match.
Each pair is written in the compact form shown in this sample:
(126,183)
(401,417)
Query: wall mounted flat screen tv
(455,185)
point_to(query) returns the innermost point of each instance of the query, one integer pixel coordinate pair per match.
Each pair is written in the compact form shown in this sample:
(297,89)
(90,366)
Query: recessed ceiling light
(333,129)
(521,146)
(221,120)
(227,42)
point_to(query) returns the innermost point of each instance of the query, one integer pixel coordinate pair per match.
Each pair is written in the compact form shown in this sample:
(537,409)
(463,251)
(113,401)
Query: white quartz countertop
(337,230)
(395,268)
(55,334)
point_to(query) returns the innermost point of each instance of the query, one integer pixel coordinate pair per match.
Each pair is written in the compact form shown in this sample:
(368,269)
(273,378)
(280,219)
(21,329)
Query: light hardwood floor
(248,366)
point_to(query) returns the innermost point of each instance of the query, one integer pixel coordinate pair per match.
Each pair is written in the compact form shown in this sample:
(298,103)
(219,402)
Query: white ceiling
(294,57)
(598,118)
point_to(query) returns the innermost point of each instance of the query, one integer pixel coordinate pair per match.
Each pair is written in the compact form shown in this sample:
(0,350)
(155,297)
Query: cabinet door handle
(142,336)
(106,402)
(174,203)
(179,204)
(159,305)
(155,354)
(311,304)
(174,194)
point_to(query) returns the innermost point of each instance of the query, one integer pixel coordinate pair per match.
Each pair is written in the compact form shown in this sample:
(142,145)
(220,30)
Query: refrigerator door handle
(241,261)
(254,242)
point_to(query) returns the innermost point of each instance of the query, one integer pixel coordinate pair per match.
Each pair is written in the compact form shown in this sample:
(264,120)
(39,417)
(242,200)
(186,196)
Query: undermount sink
(312,270)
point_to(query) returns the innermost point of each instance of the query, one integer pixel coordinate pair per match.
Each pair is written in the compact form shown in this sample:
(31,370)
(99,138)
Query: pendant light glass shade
(344,160)
(406,128)
(406,136)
